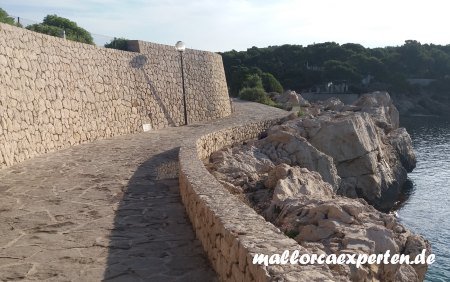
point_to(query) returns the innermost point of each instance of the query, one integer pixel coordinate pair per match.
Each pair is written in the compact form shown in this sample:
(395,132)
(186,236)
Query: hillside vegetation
(363,69)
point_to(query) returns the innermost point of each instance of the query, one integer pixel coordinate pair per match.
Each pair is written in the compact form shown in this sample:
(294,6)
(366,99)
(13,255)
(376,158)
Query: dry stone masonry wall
(204,78)
(56,93)
(230,231)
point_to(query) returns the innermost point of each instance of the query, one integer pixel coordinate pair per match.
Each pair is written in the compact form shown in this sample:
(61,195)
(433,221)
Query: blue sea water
(427,207)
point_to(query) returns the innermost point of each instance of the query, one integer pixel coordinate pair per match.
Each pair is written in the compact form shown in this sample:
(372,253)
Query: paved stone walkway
(108,210)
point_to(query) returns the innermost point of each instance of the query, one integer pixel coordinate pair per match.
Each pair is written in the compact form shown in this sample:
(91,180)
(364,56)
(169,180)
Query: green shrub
(270,83)
(256,94)
(54,25)
(118,43)
(300,113)
(5,18)
(46,29)
(252,81)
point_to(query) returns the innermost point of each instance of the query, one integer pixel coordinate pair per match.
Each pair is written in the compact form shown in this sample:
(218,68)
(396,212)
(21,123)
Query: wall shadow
(152,238)
(138,62)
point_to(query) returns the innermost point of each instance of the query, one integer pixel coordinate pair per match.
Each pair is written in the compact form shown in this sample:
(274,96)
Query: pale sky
(240,24)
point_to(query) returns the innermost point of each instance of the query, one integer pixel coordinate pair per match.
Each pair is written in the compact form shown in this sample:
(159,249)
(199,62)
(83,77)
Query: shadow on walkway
(152,239)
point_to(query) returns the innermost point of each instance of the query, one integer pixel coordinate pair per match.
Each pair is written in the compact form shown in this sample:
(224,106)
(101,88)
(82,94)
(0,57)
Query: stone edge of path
(230,231)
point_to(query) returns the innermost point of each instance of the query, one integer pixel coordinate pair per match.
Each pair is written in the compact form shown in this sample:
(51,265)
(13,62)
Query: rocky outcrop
(401,142)
(319,177)
(285,147)
(333,104)
(381,107)
(290,99)
(370,153)
(361,153)
(359,150)
(304,206)
(425,103)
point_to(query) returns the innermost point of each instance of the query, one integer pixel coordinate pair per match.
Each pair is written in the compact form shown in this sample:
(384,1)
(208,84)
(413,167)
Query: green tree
(46,29)
(54,25)
(303,67)
(365,65)
(356,48)
(441,63)
(238,77)
(337,70)
(414,59)
(270,83)
(235,77)
(253,80)
(118,43)
(5,18)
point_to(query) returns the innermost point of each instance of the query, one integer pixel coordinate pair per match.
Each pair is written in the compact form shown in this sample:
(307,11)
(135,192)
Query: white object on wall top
(180,46)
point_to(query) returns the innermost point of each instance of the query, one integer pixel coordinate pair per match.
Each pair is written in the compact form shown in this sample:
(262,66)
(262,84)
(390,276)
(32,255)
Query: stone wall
(204,77)
(56,93)
(230,231)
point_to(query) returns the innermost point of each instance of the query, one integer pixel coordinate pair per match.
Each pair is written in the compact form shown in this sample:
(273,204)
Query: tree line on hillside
(303,68)
(58,26)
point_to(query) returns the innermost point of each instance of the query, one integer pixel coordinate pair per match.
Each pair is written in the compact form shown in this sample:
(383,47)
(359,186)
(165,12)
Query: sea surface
(426,209)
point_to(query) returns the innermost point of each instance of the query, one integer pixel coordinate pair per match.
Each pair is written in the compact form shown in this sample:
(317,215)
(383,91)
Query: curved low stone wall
(230,231)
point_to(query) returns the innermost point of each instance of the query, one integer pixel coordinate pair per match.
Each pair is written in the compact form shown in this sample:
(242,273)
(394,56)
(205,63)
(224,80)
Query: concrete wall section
(56,93)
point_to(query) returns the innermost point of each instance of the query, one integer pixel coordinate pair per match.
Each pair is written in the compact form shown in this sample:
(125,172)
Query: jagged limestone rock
(303,175)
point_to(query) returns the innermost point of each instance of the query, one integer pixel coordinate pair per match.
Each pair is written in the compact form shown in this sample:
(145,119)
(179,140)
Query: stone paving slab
(108,210)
